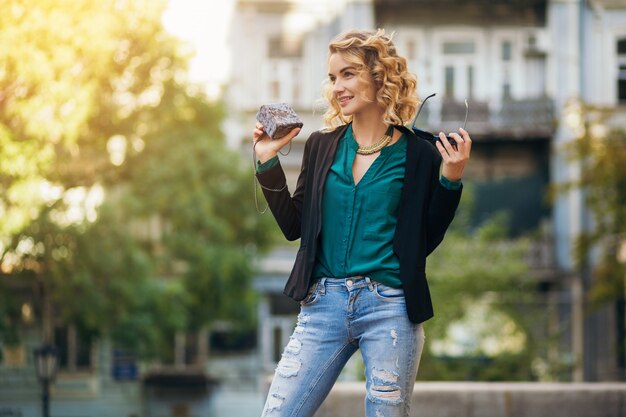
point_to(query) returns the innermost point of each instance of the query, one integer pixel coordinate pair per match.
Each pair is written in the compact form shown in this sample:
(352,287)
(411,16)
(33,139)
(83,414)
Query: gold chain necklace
(384,141)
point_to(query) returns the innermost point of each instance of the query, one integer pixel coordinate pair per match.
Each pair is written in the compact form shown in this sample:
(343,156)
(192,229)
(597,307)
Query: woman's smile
(344,100)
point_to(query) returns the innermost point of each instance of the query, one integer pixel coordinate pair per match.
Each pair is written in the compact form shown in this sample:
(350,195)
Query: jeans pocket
(313,295)
(388,293)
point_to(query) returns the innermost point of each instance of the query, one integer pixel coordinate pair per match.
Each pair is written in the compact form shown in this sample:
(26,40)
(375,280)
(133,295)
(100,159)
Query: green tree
(202,196)
(600,151)
(482,286)
(73,74)
(101,139)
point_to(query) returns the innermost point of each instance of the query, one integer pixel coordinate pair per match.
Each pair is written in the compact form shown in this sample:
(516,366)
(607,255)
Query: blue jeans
(338,317)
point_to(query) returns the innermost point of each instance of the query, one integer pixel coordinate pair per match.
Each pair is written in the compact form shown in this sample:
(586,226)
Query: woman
(369,206)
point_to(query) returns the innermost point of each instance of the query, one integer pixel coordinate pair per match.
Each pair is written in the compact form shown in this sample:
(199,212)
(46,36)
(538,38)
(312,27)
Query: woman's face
(353,95)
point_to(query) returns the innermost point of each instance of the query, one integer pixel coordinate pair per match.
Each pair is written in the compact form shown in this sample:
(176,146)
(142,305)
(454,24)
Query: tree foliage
(482,286)
(73,74)
(118,194)
(600,152)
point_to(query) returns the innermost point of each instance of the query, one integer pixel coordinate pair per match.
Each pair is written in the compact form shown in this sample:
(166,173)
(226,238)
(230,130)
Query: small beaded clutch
(278,119)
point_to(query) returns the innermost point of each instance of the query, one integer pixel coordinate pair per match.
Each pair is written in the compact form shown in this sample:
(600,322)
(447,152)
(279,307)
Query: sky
(203,25)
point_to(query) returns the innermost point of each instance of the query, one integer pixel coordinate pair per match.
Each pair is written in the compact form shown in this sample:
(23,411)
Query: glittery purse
(278,119)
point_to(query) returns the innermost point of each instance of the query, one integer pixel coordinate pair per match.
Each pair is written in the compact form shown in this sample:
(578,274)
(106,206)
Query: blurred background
(138,279)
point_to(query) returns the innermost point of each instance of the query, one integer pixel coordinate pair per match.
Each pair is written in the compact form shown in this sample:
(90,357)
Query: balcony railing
(528,118)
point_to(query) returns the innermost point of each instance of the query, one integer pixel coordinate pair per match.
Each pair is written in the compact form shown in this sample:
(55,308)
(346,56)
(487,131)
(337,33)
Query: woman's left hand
(454,157)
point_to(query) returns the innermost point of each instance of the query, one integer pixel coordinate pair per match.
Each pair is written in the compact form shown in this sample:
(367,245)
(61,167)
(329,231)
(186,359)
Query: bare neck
(368,129)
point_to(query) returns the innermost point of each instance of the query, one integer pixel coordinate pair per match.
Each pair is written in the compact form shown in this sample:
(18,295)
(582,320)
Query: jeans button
(349,283)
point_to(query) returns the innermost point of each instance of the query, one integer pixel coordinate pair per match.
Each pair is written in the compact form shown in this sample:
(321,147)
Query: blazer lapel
(327,155)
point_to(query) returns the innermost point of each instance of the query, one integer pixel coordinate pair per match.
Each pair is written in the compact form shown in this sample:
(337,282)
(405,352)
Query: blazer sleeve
(286,208)
(442,207)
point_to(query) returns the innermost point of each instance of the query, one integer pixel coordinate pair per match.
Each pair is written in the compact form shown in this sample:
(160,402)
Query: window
(284,47)
(506,91)
(74,349)
(621,71)
(536,76)
(458,68)
(453,48)
(506,51)
(449,82)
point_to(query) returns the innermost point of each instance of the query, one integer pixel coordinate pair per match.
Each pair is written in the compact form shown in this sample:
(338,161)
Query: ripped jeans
(338,317)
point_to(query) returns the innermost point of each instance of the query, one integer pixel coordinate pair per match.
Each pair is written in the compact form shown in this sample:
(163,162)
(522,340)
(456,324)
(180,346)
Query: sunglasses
(429,136)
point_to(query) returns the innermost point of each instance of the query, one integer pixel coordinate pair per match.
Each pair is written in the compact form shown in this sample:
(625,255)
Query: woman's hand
(454,158)
(265,147)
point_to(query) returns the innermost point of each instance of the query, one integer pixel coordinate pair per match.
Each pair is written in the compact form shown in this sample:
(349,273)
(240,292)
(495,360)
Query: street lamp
(46,367)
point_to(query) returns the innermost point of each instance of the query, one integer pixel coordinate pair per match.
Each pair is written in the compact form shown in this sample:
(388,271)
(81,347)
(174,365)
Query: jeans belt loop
(322,285)
(370,284)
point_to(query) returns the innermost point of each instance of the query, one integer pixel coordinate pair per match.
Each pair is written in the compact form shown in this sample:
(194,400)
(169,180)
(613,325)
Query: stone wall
(468,399)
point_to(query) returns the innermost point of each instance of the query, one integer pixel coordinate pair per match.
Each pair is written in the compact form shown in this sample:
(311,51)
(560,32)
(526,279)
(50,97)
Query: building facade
(519,64)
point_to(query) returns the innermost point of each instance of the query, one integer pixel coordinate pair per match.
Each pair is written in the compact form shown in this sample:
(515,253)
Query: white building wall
(315,23)
(423,49)
(582,65)
(564,85)
(603,27)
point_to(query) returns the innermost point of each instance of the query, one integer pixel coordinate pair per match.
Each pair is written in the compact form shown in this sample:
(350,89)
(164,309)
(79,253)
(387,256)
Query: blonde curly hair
(373,52)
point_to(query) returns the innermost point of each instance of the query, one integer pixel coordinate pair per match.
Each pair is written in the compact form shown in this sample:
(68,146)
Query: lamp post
(46,367)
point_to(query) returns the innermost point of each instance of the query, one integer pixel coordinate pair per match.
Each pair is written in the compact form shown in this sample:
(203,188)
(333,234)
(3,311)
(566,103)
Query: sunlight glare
(204,25)
(116,146)
(50,192)
(81,204)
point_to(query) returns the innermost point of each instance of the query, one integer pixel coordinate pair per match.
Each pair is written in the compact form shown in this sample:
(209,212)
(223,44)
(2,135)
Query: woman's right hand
(265,147)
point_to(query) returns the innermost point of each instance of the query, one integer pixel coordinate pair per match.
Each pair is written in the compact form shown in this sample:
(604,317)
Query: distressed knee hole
(303,319)
(288,367)
(274,402)
(384,376)
(384,387)
(294,346)
(385,394)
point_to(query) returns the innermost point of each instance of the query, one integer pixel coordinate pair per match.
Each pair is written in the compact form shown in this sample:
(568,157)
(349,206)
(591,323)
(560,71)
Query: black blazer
(426,210)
